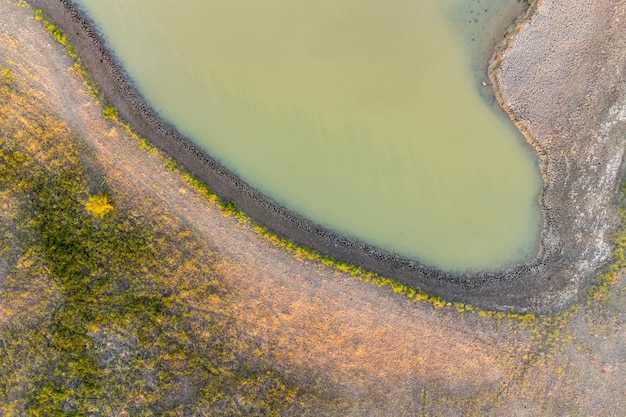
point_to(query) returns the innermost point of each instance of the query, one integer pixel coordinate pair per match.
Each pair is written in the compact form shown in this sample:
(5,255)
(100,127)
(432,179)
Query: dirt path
(376,351)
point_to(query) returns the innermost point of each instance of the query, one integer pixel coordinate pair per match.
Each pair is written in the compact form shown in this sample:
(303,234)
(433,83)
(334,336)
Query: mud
(558,76)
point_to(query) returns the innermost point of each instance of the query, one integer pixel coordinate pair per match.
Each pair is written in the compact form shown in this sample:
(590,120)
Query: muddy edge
(543,284)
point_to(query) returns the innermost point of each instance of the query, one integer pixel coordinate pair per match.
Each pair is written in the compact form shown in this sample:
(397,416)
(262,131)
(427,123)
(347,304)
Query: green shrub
(109,112)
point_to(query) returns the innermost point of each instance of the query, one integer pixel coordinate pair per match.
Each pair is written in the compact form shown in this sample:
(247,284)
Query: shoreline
(499,101)
(522,287)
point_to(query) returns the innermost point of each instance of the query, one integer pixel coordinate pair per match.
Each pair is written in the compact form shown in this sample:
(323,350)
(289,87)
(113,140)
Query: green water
(362,115)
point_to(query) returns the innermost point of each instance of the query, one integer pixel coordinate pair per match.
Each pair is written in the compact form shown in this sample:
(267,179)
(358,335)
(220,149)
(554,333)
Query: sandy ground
(377,352)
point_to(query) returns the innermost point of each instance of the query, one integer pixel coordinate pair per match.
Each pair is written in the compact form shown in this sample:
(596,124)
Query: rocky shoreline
(575,141)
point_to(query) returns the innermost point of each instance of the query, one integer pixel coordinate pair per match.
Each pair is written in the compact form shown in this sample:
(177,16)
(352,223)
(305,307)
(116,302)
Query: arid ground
(339,345)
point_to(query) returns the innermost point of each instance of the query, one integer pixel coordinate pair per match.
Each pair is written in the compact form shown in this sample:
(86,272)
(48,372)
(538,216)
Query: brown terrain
(371,351)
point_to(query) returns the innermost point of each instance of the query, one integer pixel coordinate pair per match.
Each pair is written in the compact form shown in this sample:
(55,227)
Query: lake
(366,116)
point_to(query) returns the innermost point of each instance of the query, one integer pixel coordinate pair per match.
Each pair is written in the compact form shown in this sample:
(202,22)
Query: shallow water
(363,115)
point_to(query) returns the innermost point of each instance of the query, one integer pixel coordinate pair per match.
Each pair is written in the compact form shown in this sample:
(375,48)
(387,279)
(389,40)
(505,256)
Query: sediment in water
(577,224)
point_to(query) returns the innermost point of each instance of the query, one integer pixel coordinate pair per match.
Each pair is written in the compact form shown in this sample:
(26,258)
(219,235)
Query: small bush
(109,112)
(99,205)
(6,75)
